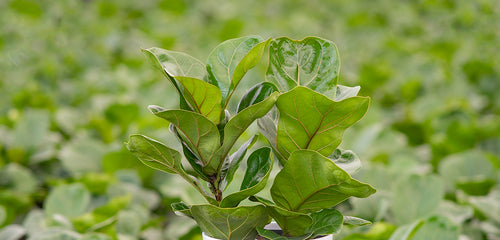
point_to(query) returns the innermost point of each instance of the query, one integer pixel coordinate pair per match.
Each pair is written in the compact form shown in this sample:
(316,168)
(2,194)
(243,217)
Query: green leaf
(325,222)
(347,160)
(12,232)
(488,205)
(202,135)
(235,127)
(182,209)
(231,166)
(203,97)
(70,200)
(355,221)
(292,223)
(230,61)
(193,160)
(154,154)
(269,234)
(176,64)
(230,223)
(344,92)
(310,182)
(95,236)
(437,228)
(312,62)
(406,232)
(309,120)
(102,216)
(259,165)
(256,94)
(416,197)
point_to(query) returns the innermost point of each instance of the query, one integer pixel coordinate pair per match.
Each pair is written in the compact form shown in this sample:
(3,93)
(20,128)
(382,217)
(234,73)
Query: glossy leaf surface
(229,168)
(310,182)
(309,120)
(201,134)
(347,160)
(355,221)
(325,222)
(230,223)
(176,64)
(182,209)
(259,165)
(256,94)
(203,97)
(236,126)
(230,60)
(155,154)
(312,62)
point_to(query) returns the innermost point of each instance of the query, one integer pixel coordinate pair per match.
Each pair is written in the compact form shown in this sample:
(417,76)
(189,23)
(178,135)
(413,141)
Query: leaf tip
(155,109)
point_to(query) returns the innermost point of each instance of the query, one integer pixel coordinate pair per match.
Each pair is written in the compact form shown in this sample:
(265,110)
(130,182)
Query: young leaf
(325,222)
(310,182)
(312,62)
(229,62)
(347,160)
(355,221)
(344,92)
(154,154)
(202,135)
(230,223)
(193,160)
(229,168)
(309,120)
(176,64)
(259,165)
(203,97)
(235,127)
(256,94)
(182,209)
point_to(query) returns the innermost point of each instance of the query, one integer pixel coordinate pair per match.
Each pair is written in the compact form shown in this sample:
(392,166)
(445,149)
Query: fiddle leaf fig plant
(300,110)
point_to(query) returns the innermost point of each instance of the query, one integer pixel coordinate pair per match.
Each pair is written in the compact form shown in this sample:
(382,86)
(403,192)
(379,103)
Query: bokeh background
(74,85)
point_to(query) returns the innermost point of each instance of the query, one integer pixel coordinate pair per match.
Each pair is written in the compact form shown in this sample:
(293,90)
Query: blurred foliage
(73,85)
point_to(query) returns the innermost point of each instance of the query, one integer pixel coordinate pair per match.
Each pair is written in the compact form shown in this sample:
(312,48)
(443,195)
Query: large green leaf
(230,61)
(235,127)
(310,182)
(203,97)
(176,64)
(312,62)
(416,197)
(230,223)
(259,165)
(309,120)
(200,133)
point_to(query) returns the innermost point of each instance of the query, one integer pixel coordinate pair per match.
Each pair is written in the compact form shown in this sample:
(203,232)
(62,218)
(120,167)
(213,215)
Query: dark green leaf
(193,160)
(259,165)
(310,182)
(325,222)
(229,168)
(182,208)
(256,94)
(309,120)
(312,62)
(230,223)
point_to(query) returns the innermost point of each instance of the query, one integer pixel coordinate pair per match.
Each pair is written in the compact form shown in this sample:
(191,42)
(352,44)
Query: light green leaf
(347,160)
(437,228)
(235,127)
(406,232)
(230,223)
(344,92)
(155,154)
(230,60)
(18,179)
(312,62)
(309,120)
(488,205)
(70,200)
(203,97)
(200,133)
(56,234)
(325,222)
(269,234)
(416,197)
(128,223)
(259,165)
(95,236)
(182,209)
(355,221)
(12,232)
(310,182)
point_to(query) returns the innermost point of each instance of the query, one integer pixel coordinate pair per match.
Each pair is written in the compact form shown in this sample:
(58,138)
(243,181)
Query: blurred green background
(74,85)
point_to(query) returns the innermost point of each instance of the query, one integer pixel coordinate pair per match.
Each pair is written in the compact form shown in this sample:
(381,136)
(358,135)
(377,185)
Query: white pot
(270,226)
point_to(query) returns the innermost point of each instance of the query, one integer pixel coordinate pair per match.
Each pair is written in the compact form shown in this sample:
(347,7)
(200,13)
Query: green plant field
(74,85)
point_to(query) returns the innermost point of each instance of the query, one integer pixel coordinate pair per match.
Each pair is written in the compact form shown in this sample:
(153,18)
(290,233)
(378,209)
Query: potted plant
(302,112)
